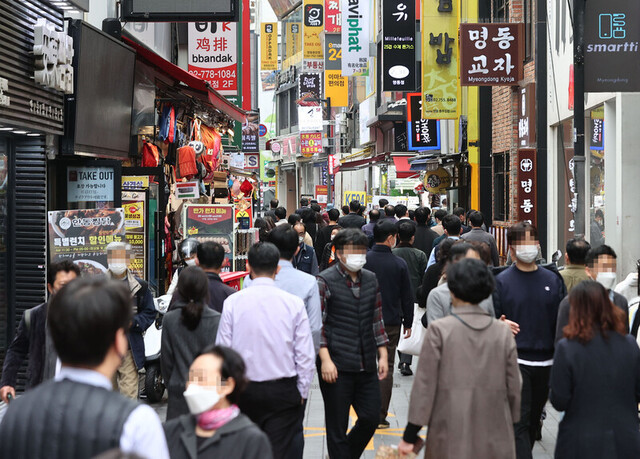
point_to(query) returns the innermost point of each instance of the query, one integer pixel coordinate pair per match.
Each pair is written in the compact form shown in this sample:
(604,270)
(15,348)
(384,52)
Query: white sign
(5,101)
(252,161)
(365,114)
(237,160)
(355,36)
(90,184)
(312,65)
(213,54)
(310,119)
(53,52)
(188,190)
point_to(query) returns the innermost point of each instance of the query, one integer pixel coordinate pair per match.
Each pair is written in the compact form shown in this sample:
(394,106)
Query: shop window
(500,11)
(501,182)
(283,110)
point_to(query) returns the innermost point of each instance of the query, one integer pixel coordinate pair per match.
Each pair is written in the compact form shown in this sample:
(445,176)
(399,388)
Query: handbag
(413,344)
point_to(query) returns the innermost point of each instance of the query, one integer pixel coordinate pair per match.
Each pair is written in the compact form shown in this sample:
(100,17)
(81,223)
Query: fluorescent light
(34,134)
(6,129)
(19,132)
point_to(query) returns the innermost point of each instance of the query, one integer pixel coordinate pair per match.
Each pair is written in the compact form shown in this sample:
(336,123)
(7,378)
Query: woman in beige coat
(467,386)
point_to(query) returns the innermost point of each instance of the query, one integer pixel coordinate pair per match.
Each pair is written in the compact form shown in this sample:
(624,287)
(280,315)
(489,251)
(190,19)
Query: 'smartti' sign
(213,54)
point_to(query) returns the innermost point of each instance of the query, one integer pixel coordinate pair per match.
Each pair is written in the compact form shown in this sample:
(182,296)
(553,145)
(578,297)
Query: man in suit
(305,260)
(424,235)
(477,234)
(353,220)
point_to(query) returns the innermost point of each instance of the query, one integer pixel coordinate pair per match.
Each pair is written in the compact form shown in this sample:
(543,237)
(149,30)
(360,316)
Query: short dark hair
(406,230)
(459,250)
(350,236)
(293,219)
(518,232)
(334,215)
(316,207)
(66,266)
(304,202)
(470,280)
(595,253)
(210,255)
(274,203)
(193,287)
(233,366)
(280,212)
(476,219)
(383,229)
(443,251)
(263,258)
(389,210)
(440,214)
(374,215)
(458,211)
(354,206)
(345,210)
(382,202)
(422,215)
(452,225)
(401,210)
(577,250)
(285,238)
(84,316)
(412,215)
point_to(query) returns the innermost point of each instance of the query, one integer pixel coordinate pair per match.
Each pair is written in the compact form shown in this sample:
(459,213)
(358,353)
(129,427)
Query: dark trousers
(362,390)
(535,390)
(275,406)
(405,358)
(386,385)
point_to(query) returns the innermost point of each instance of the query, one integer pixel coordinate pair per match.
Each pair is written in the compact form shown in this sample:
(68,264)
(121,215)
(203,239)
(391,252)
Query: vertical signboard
(250,132)
(422,134)
(332,16)
(398,45)
(355,36)
(313,12)
(440,20)
(612,53)
(213,54)
(292,39)
(269,46)
(311,83)
(491,54)
(527,116)
(133,203)
(336,86)
(526,174)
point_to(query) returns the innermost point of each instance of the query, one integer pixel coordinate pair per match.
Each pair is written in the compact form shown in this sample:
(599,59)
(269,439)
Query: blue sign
(262,130)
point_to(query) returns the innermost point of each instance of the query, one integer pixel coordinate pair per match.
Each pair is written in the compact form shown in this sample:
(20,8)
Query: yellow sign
(440,59)
(313,20)
(437,181)
(136,182)
(269,46)
(359,196)
(292,39)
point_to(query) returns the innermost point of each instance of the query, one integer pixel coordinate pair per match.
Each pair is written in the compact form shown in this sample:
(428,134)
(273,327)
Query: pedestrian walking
(529,295)
(392,274)
(452,230)
(367,229)
(78,415)
(32,339)
(477,234)
(461,214)
(353,339)
(187,252)
(215,426)
(329,252)
(595,380)
(574,270)
(270,329)
(186,330)
(424,234)
(467,385)
(390,213)
(352,219)
(144,313)
(305,258)
(324,234)
(438,216)
(433,274)
(281,216)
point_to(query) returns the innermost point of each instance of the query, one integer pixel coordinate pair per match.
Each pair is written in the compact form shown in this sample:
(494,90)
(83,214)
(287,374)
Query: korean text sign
(440,21)
(422,134)
(332,16)
(336,86)
(355,36)
(211,223)
(90,184)
(213,54)
(491,54)
(269,46)
(313,11)
(398,45)
(133,203)
(527,209)
(310,143)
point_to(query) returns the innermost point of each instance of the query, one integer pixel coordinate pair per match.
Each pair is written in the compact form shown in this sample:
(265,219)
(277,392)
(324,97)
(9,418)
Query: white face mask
(190,262)
(118,268)
(201,398)
(300,239)
(355,261)
(332,236)
(607,280)
(527,253)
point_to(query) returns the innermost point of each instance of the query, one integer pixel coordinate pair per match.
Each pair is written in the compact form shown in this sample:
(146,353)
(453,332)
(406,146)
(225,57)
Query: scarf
(214,419)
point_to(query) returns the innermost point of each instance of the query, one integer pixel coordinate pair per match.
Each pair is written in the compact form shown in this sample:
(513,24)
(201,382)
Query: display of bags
(413,344)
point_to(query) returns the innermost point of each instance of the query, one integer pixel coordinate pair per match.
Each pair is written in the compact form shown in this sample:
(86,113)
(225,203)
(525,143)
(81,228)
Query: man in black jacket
(397,299)
(352,220)
(31,337)
(424,235)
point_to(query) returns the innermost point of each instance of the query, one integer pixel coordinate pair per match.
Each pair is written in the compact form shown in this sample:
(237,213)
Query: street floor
(315,443)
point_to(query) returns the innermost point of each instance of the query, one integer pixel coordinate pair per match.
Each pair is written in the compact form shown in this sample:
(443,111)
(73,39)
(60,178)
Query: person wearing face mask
(530,295)
(393,277)
(144,313)
(188,252)
(215,426)
(78,414)
(305,260)
(353,338)
(601,267)
(329,251)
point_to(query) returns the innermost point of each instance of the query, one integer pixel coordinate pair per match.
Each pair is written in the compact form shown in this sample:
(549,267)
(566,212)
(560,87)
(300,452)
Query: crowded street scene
(319,229)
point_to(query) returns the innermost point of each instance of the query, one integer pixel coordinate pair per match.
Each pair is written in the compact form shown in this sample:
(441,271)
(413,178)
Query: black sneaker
(384,424)
(405,369)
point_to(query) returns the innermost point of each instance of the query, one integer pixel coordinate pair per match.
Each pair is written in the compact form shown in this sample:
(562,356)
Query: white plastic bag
(413,344)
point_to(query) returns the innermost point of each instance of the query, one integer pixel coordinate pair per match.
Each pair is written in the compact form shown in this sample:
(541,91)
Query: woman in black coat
(187,329)
(595,380)
(216,428)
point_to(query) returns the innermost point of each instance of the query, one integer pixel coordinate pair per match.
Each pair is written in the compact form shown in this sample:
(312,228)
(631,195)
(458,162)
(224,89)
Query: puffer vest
(349,321)
(64,420)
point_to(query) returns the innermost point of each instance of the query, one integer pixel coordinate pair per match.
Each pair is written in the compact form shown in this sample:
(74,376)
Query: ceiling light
(19,132)
(6,129)
(34,134)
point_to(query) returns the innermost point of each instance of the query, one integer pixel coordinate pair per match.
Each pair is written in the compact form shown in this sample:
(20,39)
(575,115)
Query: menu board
(134,205)
(82,236)
(208,222)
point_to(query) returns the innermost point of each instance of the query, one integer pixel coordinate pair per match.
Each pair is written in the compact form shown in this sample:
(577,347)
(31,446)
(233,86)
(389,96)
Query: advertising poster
(310,143)
(336,86)
(269,46)
(440,21)
(322,192)
(90,184)
(422,134)
(133,203)
(398,45)
(332,16)
(250,133)
(243,211)
(355,36)
(213,54)
(208,222)
(313,12)
(82,236)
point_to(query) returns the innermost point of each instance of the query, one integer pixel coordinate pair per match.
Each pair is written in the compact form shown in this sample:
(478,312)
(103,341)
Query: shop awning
(206,93)
(403,168)
(361,163)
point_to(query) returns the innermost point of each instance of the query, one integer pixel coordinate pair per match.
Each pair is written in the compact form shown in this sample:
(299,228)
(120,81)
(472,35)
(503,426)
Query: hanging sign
(211,223)
(398,45)
(90,184)
(527,116)
(526,184)
(310,143)
(311,83)
(336,86)
(313,11)
(440,20)
(188,190)
(269,46)
(422,134)
(213,54)
(250,132)
(332,16)
(437,181)
(292,39)
(355,36)
(252,161)
(359,196)
(309,119)
(135,182)
(491,54)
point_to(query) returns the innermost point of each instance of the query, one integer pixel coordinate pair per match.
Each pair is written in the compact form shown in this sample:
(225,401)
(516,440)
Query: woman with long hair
(188,328)
(595,380)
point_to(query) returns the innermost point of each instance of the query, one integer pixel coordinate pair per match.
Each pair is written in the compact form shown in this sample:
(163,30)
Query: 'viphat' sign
(355,37)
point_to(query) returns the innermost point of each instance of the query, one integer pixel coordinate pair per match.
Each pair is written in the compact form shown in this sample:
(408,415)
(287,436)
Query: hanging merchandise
(198,147)
(150,155)
(195,129)
(186,162)
(235,188)
(212,141)
(168,124)
(246,187)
